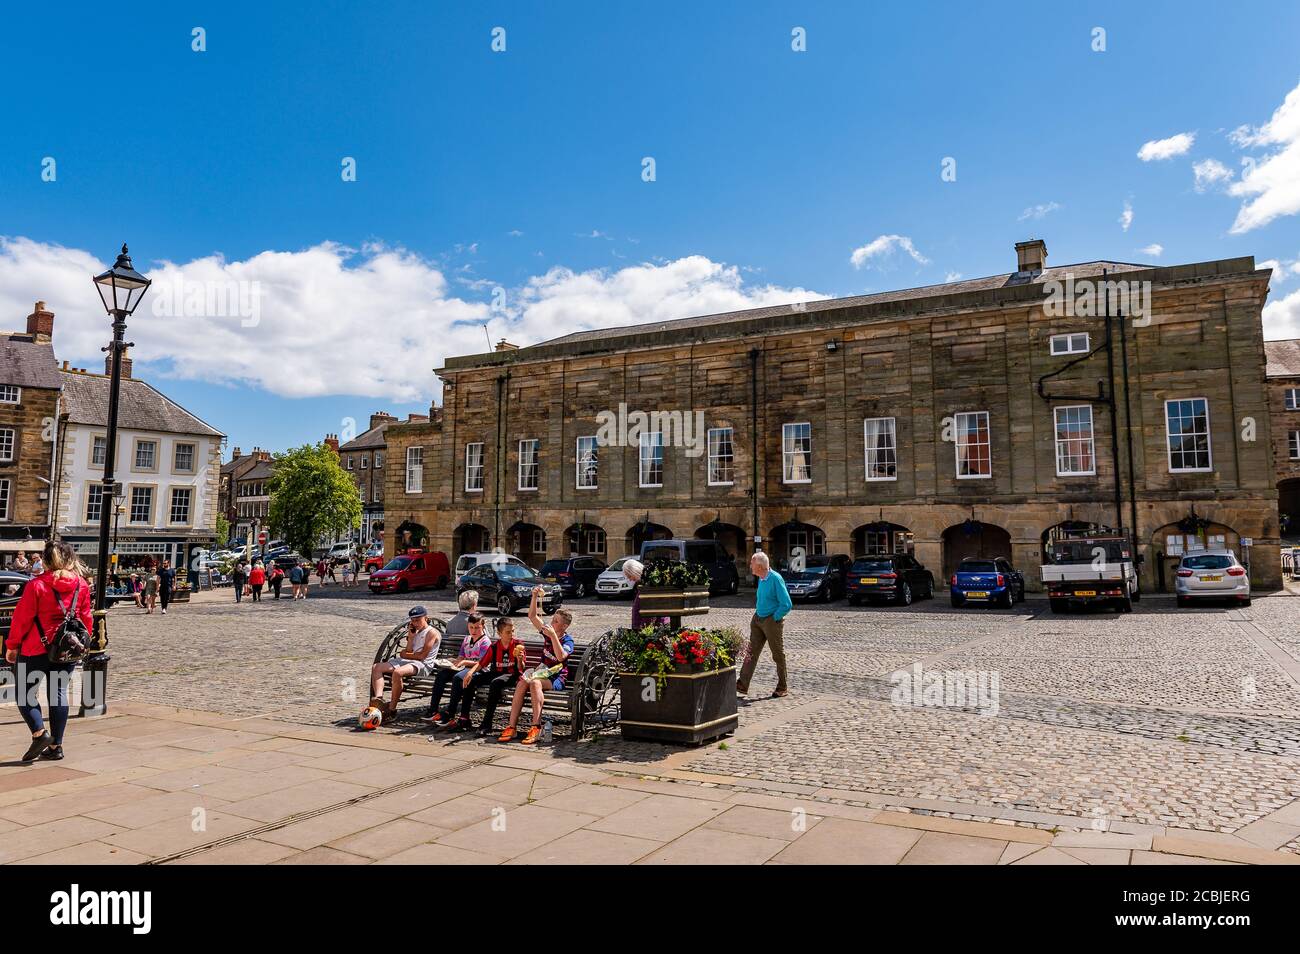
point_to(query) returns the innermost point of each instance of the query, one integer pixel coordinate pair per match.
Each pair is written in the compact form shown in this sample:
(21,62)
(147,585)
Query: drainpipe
(502,379)
(1114,422)
(754,355)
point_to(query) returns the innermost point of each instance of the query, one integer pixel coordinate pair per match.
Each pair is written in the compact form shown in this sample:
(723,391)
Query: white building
(168,464)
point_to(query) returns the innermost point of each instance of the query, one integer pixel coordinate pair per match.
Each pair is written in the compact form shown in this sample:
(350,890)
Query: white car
(1210,575)
(611,583)
(342,551)
(467,561)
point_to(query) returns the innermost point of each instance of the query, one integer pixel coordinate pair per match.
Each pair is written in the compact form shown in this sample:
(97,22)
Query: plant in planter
(674,589)
(677,685)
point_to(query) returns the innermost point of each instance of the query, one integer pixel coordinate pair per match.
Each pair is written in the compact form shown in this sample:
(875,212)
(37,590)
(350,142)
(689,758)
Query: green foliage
(312,496)
(672,573)
(658,650)
(222,530)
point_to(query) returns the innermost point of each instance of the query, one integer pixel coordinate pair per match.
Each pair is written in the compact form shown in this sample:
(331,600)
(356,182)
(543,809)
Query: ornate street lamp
(121,288)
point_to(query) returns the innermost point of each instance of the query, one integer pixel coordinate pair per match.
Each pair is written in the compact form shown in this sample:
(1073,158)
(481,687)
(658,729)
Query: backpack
(70,638)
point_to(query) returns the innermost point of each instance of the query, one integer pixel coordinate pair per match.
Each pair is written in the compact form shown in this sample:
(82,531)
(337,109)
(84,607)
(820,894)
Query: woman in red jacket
(41,600)
(257,579)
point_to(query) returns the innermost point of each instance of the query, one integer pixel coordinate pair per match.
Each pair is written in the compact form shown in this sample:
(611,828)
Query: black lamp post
(122,288)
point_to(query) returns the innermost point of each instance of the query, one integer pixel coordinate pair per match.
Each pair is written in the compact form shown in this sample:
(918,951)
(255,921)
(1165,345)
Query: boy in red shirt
(499,669)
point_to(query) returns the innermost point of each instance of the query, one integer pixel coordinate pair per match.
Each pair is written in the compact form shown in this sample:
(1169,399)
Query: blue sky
(522,170)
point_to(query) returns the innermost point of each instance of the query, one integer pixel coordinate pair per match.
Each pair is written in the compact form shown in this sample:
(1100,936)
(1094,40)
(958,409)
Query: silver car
(1212,575)
(612,583)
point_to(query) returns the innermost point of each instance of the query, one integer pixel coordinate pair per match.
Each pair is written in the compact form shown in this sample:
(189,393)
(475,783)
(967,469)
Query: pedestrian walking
(257,580)
(320,570)
(48,603)
(166,583)
(150,590)
(306,580)
(771,605)
(347,574)
(277,579)
(239,578)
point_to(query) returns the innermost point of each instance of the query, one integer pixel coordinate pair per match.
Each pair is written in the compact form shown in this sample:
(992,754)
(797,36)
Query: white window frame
(788,454)
(714,454)
(6,491)
(130,505)
(414,470)
(1209,443)
(140,444)
(1062,444)
(1293,444)
(578,460)
(11,394)
(867,450)
(365,461)
(534,466)
(650,441)
(90,491)
(8,445)
(478,469)
(99,441)
(176,453)
(1071,341)
(350,467)
(189,507)
(1291,399)
(958,430)
(539,540)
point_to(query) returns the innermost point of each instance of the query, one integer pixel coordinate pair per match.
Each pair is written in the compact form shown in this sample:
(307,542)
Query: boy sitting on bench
(499,670)
(557,644)
(412,662)
(472,648)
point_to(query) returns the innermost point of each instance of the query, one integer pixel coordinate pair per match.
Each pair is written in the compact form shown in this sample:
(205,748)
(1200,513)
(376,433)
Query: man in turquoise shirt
(771,605)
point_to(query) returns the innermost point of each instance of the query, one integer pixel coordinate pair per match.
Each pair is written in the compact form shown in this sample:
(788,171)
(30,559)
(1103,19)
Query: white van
(467,561)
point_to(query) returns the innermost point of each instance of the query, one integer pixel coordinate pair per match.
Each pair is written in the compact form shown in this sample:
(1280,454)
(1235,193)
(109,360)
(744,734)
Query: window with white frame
(811,542)
(473,467)
(588,463)
(378,496)
(539,540)
(652,459)
(5,486)
(8,441)
(1292,399)
(183,459)
(94,502)
(379,459)
(350,467)
(141,505)
(881,448)
(1076,343)
(182,497)
(1293,443)
(98,450)
(595,541)
(365,461)
(1074,442)
(10,393)
(529,469)
(974,445)
(796,453)
(722,457)
(1187,430)
(414,470)
(146,455)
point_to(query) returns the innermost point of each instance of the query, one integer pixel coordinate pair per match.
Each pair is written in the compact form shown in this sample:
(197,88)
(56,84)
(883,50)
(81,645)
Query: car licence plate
(977,595)
(1213,579)
(550,579)
(1085,592)
(869,579)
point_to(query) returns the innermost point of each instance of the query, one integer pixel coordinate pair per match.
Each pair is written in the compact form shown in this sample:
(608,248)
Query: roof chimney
(40,323)
(126,364)
(332,440)
(417,418)
(504,345)
(1031,256)
(380,417)
(238,454)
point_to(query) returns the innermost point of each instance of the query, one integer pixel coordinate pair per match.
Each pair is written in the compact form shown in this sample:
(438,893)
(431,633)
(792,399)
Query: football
(370,718)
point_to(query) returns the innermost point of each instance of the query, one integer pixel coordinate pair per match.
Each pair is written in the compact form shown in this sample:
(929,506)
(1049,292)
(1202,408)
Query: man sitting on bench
(473,647)
(499,670)
(557,644)
(411,663)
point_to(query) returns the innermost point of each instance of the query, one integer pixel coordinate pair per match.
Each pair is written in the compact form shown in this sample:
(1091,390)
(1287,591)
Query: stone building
(1284,406)
(363,459)
(29,409)
(977,417)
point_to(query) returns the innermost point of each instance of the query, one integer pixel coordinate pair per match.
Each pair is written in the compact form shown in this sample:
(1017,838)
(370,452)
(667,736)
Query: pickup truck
(1091,571)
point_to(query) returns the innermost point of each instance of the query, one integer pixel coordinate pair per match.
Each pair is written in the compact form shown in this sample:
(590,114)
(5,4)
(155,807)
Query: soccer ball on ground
(370,718)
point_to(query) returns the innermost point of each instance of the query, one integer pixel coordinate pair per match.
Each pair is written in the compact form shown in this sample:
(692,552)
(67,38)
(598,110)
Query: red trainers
(533,734)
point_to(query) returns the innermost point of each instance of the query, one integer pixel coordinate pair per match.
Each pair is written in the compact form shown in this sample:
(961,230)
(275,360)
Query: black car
(822,578)
(11,587)
(575,576)
(508,587)
(710,554)
(896,577)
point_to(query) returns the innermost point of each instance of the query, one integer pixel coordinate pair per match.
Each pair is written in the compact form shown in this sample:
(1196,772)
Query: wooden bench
(582,703)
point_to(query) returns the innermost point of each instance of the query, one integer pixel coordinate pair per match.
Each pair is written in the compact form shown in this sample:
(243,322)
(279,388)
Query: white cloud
(952,277)
(1126,217)
(1208,172)
(334,320)
(1270,186)
(1038,211)
(883,246)
(1157,149)
(1281,270)
(1155,250)
(1282,317)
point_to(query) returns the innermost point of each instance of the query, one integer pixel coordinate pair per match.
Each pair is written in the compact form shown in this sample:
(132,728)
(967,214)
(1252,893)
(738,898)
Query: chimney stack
(332,440)
(238,454)
(417,418)
(126,364)
(504,345)
(1031,256)
(380,417)
(40,323)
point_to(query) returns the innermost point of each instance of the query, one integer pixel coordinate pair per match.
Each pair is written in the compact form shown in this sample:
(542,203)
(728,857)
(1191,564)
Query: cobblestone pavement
(1178,718)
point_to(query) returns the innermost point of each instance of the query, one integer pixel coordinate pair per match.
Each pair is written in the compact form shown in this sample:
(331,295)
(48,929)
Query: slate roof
(28,363)
(262,470)
(1282,358)
(372,439)
(141,407)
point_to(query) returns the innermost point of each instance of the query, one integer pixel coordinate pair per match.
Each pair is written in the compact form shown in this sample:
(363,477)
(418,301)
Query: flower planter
(674,602)
(180,596)
(690,705)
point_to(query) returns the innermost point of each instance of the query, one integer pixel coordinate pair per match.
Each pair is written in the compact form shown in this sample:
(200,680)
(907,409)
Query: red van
(412,570)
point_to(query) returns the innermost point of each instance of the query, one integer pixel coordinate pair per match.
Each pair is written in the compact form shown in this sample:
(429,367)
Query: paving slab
(661,817)
(838,841)
(944,848)
(711,846)
(311,832)
(588,847)
(514,831)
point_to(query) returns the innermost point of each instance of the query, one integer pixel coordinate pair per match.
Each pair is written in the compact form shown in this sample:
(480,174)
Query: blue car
(984,581)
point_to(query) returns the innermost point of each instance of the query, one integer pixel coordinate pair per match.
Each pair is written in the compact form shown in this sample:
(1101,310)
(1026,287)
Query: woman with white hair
(632,570)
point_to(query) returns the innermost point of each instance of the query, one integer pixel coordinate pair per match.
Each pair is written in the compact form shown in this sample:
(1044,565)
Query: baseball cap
(415,611)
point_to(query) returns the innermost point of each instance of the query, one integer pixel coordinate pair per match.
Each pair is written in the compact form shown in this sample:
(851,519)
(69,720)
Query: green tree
(312,497)
(223,530)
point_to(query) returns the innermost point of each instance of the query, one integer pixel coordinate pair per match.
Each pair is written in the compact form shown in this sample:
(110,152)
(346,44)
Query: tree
(222,530)
(312,497)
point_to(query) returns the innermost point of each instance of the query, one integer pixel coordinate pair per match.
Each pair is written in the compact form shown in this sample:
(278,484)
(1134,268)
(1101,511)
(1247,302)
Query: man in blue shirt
(771,605)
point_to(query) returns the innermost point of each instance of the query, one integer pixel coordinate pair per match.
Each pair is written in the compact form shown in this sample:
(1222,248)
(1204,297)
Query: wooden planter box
(687,706)
(672,602)
(181,596)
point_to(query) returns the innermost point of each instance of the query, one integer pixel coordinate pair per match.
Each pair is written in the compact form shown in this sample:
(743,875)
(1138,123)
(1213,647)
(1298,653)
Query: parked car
(612,583)
(508,586)
(412,570)
(576,576)
(374,558)
(467,561)
(897,577)
(11,587)
(286,560)
(341,551)
(822,578)
(986,581)
(1211,575)
(709,554)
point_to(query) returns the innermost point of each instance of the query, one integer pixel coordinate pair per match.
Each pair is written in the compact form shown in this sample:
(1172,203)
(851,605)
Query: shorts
(557,681)
(422,666)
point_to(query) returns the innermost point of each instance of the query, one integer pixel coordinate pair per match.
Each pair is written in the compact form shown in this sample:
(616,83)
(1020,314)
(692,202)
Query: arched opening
(880,538)
(645,530)
(1066,528)
(1192,533)
(528,542)
(1288,509)
(796,538)
(584,539)
(732,537)
(410,535)
(471,538)
(972,538)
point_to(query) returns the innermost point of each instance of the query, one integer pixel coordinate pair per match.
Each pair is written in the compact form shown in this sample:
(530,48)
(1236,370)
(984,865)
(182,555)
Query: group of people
(149,587)
(251,579)
(33,565)
(500,664)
